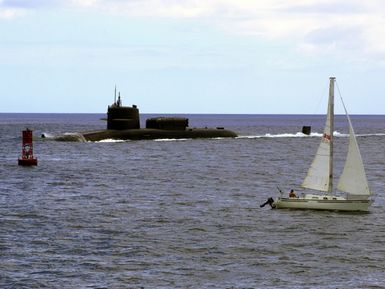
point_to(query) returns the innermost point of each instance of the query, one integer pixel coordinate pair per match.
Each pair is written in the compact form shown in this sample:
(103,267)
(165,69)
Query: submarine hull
(148,134)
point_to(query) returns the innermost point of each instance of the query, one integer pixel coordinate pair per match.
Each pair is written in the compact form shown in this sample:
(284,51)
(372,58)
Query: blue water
(183,213)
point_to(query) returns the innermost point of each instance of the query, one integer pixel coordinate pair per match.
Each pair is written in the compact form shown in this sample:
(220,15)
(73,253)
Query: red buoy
(27,158)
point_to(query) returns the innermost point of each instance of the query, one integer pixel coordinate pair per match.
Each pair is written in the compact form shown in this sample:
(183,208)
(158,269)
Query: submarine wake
(302,135)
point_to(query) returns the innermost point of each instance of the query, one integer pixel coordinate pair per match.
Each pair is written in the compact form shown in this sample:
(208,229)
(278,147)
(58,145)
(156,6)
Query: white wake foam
(110,140)
(302,135)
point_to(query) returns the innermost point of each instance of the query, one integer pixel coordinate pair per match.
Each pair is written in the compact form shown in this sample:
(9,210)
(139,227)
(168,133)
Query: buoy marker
(27,158)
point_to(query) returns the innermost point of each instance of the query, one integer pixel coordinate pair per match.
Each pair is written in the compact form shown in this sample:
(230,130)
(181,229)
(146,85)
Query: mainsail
(320,174)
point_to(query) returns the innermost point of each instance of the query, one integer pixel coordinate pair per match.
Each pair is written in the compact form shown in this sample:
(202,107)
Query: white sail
(319,176)
(353,179)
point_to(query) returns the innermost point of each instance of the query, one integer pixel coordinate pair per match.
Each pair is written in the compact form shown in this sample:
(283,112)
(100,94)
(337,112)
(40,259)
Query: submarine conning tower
(121,117)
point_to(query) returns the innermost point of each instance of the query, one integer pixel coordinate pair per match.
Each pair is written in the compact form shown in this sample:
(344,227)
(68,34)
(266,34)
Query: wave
(302,135)
(68,136)
(281,135)
(110,140)
(186,139)
(170,139)
(371,134)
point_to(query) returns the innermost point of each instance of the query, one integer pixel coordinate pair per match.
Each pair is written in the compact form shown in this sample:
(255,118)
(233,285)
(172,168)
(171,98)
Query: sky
(190,56)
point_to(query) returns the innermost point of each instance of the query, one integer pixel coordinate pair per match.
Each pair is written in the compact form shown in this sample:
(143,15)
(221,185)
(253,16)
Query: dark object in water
(306,130)
(269,201)
(123,123)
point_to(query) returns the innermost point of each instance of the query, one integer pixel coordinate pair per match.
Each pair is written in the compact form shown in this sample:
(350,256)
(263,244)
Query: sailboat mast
(331,124)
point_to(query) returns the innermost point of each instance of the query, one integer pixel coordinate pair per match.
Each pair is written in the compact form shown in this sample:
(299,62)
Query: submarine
(123,123)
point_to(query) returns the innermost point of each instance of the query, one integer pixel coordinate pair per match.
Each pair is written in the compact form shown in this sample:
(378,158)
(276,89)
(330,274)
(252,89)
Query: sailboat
(319,178)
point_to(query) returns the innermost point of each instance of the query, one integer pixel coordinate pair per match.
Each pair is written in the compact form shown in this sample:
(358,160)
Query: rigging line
(342,100)
(351,130)
(320,99)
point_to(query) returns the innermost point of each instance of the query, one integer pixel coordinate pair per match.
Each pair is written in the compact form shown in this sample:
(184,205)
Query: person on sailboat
(292,194)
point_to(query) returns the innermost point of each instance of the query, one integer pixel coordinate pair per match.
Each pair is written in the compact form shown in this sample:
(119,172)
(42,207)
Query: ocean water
(183,213)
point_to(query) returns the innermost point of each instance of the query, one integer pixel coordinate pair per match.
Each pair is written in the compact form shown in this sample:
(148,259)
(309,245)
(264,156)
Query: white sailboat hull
(316,202)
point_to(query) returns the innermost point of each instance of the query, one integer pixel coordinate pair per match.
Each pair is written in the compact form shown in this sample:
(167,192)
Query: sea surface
(183,213)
